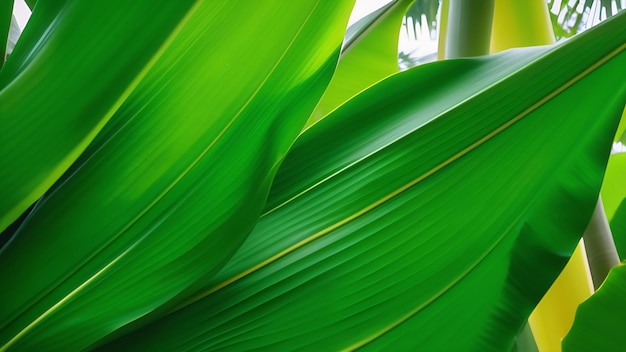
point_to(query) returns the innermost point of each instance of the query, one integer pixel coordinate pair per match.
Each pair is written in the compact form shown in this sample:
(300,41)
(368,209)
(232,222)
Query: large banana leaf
(68,86)
(170,194)
(432,222)
(599,322)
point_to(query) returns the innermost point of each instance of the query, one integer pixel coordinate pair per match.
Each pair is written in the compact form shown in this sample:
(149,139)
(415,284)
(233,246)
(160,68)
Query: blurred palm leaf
(572,16)
(423,13)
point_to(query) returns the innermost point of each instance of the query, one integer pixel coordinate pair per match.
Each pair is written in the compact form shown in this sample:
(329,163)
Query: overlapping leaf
(431,222)
(370,53)
(599,322)
(170,192)
(59,88)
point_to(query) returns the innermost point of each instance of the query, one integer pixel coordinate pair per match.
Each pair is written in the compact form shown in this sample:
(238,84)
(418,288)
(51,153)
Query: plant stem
(443,30)
(469,28)
(599,245)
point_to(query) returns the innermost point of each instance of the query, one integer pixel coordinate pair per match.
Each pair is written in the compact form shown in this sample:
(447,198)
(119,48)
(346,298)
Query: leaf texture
(433,222)
(369,54)
(169,193)
(58,90)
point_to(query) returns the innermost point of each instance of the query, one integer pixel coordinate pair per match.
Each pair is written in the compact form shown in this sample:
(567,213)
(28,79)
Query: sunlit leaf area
(313,175)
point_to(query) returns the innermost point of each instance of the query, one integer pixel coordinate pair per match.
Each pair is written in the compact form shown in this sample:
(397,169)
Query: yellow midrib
(65,299)
(397,192)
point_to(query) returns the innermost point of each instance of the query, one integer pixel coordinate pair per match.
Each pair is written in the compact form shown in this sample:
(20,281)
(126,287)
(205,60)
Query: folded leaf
(599,322)
(163,201)
(430,222)
(70,82)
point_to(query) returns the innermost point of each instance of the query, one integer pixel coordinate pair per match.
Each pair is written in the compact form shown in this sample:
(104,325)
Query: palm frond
(572,16)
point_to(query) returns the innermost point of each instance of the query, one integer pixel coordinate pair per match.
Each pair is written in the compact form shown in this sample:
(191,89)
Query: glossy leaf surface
(58,89)
(173,190)
(430,222)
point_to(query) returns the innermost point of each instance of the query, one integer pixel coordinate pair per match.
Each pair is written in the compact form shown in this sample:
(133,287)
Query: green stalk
(6,14)
(599,245)
(443,30)
(469,28)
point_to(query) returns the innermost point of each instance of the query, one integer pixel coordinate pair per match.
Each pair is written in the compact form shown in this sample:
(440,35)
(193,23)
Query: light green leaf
(370,53)
(614,185)
(172,191)
(421,222)
(69,84)
(599,322)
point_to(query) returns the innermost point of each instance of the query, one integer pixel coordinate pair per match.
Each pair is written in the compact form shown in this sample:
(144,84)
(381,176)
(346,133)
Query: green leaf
(370,53)
(613,190)
(31,39)
(6,14)
(599,322)
(172,191)
(73,79)
(421,222)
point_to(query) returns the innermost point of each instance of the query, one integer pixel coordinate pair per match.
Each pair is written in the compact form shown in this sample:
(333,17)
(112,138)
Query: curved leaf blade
(173,190)
(403,223)
(599,322)
(370,53)
(69,87)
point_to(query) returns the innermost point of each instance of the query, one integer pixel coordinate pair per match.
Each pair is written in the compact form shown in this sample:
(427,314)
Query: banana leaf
(433,222)
(599,322)
(6,15)
(57,91)
(172,191)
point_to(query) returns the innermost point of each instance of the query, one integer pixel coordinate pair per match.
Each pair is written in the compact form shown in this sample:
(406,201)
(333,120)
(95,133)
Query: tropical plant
(158,192)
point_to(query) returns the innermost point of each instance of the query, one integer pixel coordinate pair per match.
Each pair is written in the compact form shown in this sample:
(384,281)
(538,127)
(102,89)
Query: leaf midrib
(400,190)
(69,296)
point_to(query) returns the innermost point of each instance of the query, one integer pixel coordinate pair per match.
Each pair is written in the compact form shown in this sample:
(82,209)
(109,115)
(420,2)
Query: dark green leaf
(6,14)
(599,322)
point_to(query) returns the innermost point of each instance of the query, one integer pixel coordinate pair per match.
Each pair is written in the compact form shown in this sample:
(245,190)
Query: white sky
(21,12)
